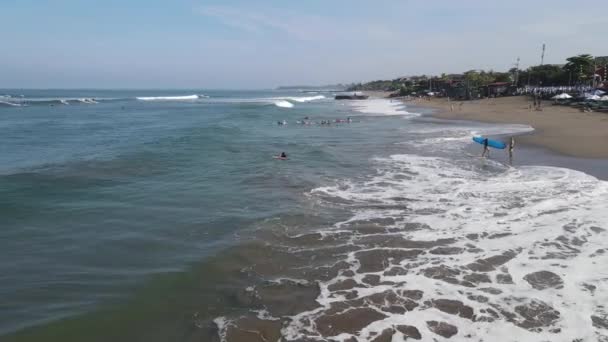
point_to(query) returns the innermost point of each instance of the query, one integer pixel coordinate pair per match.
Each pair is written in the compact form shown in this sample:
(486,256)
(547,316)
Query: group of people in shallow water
(307,122)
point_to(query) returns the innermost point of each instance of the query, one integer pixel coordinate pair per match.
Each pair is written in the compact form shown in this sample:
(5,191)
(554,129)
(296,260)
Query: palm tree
(579,66)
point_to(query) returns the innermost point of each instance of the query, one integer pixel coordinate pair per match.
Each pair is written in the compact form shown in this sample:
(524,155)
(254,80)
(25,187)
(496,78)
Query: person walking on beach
(511,147)
(486,150)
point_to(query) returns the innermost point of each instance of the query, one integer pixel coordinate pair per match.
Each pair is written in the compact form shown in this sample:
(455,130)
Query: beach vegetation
(581,66)
(578,70)
(544,75)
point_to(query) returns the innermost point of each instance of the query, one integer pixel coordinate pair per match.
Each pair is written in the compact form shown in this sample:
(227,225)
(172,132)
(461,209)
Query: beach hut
(498,89)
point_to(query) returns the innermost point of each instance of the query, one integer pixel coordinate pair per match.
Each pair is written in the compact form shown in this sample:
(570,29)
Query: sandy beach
(562,129)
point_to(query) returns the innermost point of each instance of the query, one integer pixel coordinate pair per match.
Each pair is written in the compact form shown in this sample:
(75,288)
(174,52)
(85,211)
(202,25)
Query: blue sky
(262,44)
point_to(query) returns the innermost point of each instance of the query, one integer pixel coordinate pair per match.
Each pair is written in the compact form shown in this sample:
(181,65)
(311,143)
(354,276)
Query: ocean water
(163,216)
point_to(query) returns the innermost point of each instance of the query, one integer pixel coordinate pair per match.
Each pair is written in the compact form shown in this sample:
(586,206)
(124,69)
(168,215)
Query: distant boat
(354,96)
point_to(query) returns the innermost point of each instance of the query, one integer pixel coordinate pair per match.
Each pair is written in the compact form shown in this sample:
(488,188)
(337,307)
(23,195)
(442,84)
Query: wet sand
(561,129)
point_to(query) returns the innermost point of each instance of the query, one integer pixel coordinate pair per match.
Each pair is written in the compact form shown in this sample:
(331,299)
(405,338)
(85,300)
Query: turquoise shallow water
(101,193)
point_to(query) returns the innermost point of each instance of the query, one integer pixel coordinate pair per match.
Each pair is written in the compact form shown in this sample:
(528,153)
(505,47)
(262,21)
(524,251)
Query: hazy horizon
(236,45)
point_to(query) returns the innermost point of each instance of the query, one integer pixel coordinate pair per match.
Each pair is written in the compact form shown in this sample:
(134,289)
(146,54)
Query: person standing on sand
(486,150)
(511,147)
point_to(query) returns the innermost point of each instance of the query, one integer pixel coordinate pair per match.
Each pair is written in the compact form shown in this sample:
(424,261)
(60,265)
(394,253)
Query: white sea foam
(380,107)
(169,98)
(23,101)
(283,104)
(549,218)
(88,101)
(9,104)
(304,98)
(222,324)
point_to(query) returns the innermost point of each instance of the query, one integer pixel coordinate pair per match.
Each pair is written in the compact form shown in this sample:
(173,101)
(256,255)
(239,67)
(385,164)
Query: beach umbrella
(594,98)
(604,98)
(561,96)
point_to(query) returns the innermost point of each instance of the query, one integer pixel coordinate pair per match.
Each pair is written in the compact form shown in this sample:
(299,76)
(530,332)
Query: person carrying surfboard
(511,147)
(486,150)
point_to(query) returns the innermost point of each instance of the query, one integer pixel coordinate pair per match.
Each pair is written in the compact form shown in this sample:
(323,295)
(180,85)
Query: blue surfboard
(492,143)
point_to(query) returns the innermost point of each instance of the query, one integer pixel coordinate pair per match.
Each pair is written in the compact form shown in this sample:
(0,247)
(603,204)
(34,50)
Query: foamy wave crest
(22,101)
(380,107)
(88,101)
(283,104)
(9,104)
(305,98)
(170,98)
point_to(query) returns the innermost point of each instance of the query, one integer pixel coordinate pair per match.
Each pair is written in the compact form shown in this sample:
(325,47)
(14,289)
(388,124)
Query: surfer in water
(486,150)
(282,156)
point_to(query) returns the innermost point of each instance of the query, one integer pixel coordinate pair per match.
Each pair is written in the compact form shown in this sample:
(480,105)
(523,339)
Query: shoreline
(537,146)
(560,129)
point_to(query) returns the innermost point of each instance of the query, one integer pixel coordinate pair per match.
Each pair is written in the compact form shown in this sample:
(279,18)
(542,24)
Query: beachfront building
(497,89)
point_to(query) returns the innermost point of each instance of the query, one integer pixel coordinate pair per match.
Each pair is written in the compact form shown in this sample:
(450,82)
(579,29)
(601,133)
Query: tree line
(577,70)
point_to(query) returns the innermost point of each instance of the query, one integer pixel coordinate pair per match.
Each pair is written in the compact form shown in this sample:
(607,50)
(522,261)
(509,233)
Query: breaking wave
(283,104)
(380,107)
(9,104)
(171,98)
(21,101)
(305,98)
